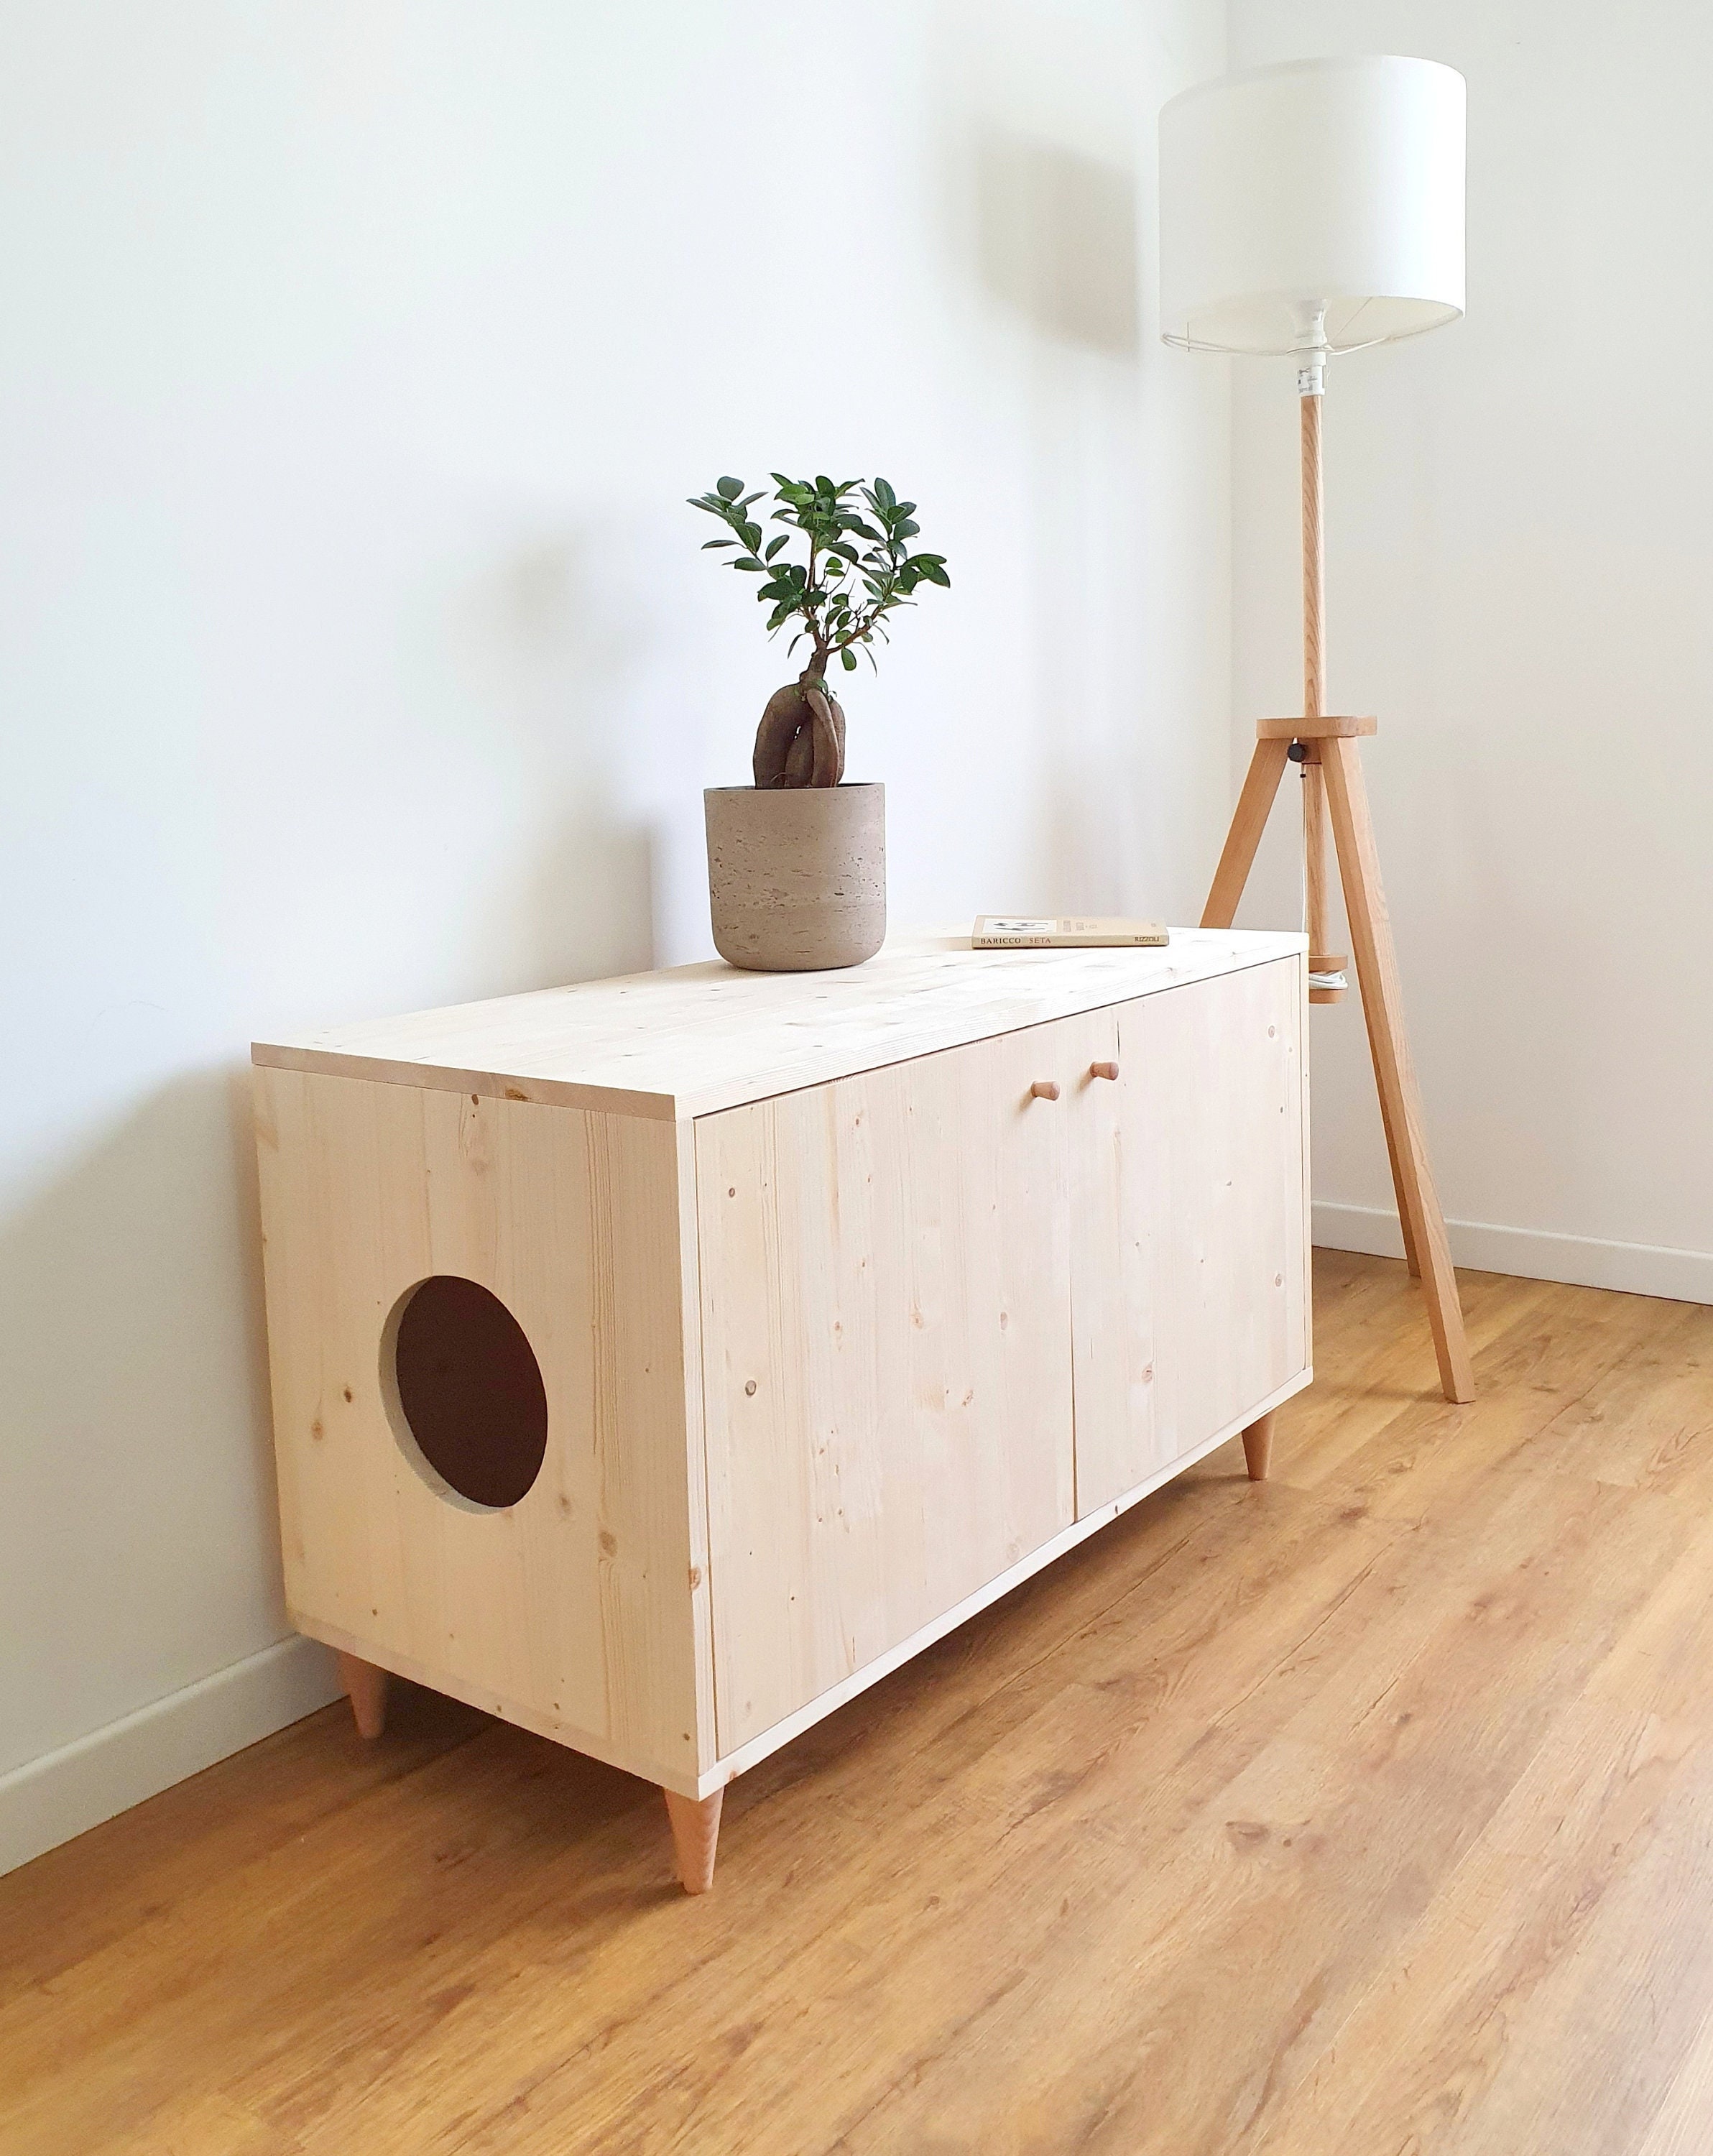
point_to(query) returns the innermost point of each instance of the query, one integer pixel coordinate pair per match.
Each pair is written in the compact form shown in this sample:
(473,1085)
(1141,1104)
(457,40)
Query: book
(1012,931)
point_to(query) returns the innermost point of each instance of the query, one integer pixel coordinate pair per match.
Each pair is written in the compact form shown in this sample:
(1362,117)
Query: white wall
(1519,558)
(358,654)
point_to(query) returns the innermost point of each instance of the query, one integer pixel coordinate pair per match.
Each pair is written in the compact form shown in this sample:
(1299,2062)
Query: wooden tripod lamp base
(1336,764)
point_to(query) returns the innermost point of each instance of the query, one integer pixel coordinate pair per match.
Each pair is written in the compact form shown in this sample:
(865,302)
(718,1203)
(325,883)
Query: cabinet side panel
(886,1345)
(574,1604)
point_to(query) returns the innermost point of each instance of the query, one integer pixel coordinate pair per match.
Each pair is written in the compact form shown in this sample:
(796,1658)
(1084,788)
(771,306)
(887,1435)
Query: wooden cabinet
(815,1311)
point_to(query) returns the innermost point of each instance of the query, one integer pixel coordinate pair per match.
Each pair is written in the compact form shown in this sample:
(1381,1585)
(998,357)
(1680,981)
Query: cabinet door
(1189,1224)
(886,1359)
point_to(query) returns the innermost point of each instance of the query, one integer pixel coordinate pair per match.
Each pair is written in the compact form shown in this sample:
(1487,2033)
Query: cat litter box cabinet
(658,1362)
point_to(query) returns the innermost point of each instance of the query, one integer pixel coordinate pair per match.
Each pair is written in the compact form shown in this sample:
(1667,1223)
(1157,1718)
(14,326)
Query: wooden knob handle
(1103,1070)
(1045,1089)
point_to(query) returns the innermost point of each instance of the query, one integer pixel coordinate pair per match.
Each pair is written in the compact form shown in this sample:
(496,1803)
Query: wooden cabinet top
(693,1040)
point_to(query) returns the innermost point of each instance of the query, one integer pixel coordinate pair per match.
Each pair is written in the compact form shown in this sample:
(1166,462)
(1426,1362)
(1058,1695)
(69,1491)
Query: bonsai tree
(858,569)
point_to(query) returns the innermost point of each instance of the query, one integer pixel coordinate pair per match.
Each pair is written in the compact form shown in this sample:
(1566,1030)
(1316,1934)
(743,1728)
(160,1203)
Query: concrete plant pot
(796,876)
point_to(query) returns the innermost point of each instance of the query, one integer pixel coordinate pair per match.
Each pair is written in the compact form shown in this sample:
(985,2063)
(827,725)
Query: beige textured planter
(797,877)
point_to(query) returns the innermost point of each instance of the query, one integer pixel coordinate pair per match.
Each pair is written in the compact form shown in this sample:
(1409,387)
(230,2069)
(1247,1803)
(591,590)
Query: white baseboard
(1583,1260)
(50,1800)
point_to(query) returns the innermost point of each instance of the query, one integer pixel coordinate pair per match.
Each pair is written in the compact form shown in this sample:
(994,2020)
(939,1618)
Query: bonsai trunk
(801,739)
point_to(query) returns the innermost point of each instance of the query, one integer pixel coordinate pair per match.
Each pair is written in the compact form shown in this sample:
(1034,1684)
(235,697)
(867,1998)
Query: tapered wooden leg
(366,1687)
(1382,1006)
(1248,822)
(695,1836)
(1257,1447)
(1404,1218)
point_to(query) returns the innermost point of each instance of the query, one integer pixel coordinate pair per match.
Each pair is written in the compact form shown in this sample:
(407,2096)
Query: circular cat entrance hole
(465,1391)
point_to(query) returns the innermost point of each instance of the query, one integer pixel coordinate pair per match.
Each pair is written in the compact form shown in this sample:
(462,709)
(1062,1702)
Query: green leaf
(883,496)
(707,543)
(936,575)
(730,488)
(773,545)
(848,659)
(907,529)
(745,562)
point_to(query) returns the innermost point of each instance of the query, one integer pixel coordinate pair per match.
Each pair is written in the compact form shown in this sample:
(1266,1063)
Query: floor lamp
(1305,210)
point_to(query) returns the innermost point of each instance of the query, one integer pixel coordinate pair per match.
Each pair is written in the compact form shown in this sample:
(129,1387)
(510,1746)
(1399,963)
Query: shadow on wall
(1056,244)
(138,1546)
(138,1526)
(547,642)
(1057,236)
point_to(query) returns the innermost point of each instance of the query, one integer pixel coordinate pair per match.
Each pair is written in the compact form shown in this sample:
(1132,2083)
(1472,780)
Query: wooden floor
(1369,1810)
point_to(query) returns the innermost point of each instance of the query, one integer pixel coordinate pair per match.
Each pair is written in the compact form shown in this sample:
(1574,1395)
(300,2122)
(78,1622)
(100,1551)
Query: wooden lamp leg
(696,1837)
(1248,823)
(1382,1006)
(1404,1219)
(1257,1447)
(366,1687)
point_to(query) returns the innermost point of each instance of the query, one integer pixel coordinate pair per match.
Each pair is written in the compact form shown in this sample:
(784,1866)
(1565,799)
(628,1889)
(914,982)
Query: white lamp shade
(1323,184)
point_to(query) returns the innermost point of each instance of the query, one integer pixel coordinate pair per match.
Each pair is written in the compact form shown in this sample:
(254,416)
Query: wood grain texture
(693,1040)
(1327,726)
(1321,957)
(1366,1809)
(578,1607)
(1189,1283)
(1394,1072)
(1258,1447)
(886,1337)
(1254,804)
(694,1823)
(1313,564)
(366,1687)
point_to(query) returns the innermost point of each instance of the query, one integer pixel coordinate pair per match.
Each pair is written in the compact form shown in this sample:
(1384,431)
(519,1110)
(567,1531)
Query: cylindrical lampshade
(1322,184)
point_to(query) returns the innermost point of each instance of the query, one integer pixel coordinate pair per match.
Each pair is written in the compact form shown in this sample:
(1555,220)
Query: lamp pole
(1325,967)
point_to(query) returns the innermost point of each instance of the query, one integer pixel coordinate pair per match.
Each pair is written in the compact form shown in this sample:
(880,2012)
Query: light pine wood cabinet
(657,1362)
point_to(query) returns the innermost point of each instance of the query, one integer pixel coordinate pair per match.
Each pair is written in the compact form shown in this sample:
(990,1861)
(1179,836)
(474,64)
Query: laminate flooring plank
(1236,1953)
